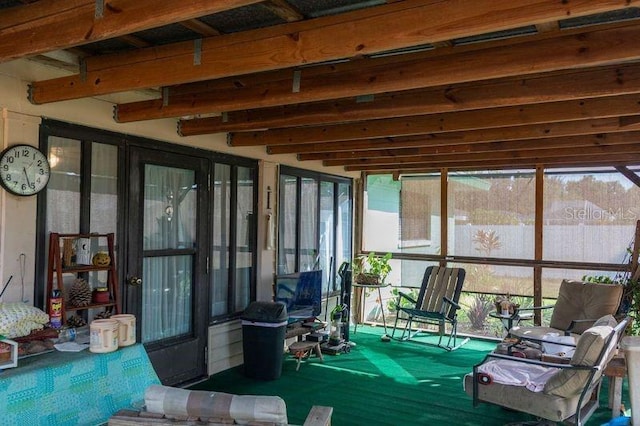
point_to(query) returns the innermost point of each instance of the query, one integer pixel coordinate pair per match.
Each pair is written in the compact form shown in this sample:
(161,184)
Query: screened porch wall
(585,226)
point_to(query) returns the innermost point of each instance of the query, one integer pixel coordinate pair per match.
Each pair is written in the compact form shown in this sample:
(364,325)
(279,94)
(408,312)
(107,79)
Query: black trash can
(264,325)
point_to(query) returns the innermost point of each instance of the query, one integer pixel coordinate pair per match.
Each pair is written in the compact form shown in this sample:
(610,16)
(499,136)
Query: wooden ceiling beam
(533,131)
(427,167)
(612,106)
(343,65)
(199,27)
(27,30)
(589,48)
(605,150)
(406,24)
(572,84)
(545,27)
(576,142)
(284,10)
(134,41)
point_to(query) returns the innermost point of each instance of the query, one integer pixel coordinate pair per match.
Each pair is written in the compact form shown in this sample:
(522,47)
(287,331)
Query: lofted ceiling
(375,86)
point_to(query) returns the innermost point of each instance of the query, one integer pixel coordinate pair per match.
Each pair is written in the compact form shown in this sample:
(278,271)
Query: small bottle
(80,334)
(55,309)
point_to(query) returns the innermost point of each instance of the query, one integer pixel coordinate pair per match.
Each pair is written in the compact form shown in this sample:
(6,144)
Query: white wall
(17,218)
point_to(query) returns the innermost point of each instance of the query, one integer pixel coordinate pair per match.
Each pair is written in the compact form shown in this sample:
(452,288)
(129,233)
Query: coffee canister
(103,335)
(126,329)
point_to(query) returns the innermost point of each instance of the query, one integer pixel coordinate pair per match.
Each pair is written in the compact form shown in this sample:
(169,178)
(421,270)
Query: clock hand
(24,169)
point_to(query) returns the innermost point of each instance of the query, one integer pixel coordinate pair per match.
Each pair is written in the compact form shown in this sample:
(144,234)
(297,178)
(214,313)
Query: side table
(616,370)
(372,287)
(508,321)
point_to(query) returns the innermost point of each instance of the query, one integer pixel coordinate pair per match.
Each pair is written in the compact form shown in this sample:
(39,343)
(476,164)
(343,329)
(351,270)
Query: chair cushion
(222,407)
(584,300)
(570,382)
(609,320)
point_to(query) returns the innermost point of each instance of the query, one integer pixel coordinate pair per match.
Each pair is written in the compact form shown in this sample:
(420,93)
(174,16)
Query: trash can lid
(266,312)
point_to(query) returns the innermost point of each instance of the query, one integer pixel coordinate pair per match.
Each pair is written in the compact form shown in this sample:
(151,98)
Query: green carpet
(383,383)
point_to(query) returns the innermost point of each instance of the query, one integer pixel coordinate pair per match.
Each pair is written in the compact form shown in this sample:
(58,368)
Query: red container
(101,295)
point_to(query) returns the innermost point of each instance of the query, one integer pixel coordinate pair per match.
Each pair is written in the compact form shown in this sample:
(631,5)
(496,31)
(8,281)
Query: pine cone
(102,315)
(80,293)
(76,321)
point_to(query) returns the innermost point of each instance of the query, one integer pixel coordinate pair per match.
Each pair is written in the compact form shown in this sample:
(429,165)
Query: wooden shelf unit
(56,269)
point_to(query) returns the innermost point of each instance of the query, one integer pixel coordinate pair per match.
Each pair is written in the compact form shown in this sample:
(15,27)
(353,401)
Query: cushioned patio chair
(578,306)
(164,405)
(437,304)
(566,392)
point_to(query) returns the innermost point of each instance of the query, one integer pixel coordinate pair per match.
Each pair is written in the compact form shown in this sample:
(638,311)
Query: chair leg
(453,336)
(404,330)
(407,329)
(395,325)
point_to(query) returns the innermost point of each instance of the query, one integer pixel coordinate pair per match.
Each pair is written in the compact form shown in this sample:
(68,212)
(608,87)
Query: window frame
(538,262)
(300,174)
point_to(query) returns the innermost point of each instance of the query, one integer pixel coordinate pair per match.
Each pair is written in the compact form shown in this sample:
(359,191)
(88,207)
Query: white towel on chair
(515,373)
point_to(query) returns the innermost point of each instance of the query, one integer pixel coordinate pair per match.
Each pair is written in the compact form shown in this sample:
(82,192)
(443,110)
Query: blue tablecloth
(81,388)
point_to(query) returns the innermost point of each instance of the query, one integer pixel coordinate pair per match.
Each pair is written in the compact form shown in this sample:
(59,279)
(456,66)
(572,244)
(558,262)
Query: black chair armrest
(451,302)
(536,308)
(402,295)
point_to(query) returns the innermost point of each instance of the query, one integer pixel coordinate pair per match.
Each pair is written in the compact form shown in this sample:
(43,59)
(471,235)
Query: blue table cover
(74,388)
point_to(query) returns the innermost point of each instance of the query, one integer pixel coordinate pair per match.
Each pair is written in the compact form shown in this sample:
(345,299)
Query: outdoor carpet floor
(384,383)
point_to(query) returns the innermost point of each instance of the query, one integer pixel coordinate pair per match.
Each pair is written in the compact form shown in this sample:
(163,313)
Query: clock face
(24,170)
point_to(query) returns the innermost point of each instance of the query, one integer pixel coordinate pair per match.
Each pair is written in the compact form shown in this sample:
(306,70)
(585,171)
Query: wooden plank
(444,212)
(408,23)
(593,131)
(612,106)
(284,10)
(538,154)
(538,243)
(134,41)
(576,142)
(572,84)
(199,27)
(27,30)
(506,164)
(530,56)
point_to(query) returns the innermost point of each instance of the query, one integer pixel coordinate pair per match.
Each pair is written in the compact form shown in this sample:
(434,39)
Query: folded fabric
(516,373)
(18,319)
(553,345)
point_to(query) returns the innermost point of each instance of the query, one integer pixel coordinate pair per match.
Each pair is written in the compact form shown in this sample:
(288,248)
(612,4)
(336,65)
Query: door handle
(135,281)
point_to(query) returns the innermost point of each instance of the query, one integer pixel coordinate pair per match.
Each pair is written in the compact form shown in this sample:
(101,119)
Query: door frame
(191,350)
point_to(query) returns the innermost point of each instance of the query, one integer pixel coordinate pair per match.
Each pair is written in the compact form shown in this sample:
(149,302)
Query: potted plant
(372,269)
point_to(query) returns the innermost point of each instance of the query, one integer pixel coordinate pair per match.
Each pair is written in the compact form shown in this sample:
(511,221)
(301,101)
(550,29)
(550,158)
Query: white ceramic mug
(126,329)
(103,335)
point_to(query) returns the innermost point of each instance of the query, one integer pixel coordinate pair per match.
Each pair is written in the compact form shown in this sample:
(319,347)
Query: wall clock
(24,170)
